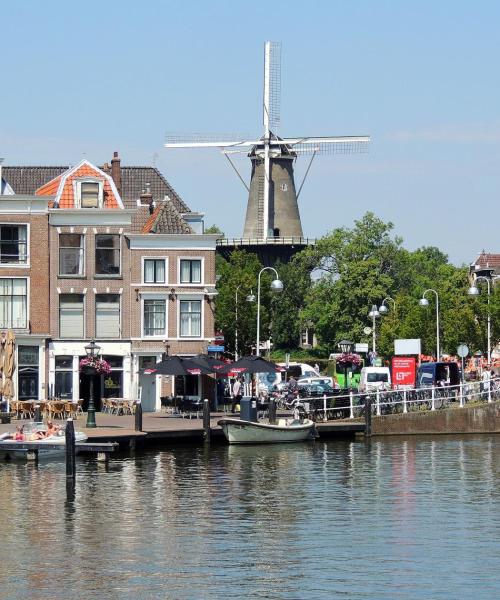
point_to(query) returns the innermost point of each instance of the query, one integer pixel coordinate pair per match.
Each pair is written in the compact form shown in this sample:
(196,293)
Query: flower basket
(94,365)
(346,360)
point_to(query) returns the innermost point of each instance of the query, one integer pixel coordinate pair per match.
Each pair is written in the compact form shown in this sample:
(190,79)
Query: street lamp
(250,298)
(383,309)
(346,347)
(474,291)
(374,314)
(424,302)
(276,286)
(92,350)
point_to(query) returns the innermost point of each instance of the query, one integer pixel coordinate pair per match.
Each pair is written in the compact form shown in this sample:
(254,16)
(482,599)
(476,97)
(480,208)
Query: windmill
(272,209)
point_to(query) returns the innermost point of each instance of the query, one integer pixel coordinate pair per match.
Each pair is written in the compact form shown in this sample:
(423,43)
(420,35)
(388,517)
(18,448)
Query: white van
(295,369)
(373,378)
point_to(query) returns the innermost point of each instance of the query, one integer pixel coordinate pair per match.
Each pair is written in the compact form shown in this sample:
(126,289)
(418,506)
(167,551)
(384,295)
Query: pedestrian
(316,368)
(236,394)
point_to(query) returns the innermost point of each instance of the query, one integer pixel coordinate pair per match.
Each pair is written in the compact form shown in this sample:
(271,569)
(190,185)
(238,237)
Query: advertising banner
(404,371)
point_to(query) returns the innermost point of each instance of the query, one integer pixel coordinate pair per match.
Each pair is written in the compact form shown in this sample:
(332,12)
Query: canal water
(415,518)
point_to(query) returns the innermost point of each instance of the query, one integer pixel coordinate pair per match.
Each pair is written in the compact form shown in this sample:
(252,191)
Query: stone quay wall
(482,418)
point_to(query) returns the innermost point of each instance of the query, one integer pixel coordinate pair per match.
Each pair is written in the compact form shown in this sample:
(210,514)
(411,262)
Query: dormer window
(89,193)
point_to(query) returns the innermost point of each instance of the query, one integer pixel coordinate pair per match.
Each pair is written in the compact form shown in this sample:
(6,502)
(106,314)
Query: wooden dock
(163,427)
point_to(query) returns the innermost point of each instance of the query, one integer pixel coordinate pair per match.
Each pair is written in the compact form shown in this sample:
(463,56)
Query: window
(13,244)
(107,315)
(191,271)
(107,254)
(71,315)
(190,318)
(154,270)
(71,254)
(89,194)
(64,377)
(113,383)
(13,303)
(154,317)
(27,358)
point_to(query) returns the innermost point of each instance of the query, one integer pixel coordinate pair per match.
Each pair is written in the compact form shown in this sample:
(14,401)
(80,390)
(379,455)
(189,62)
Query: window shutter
(71,316)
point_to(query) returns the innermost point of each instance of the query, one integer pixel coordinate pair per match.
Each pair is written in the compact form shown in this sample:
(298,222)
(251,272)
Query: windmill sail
(272,210)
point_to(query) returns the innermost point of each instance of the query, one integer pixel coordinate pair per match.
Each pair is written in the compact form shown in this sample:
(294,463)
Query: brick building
(126,262)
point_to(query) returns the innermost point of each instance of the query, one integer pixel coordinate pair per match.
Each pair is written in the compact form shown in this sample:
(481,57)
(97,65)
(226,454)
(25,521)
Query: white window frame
(143,271)
(84,313)
(28,316)
(15,265)
(107,275)
(200,258)
(148,296)
(190,298)
(70,276)
(119,336)
(77,191)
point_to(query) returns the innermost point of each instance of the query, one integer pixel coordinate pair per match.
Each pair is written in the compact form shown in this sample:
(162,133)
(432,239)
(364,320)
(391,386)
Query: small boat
(15,450)
(284,430)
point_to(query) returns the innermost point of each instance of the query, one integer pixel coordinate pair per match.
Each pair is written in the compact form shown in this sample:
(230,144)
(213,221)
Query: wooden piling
(70,449)
(138,416)
(368,416)
(206,420)
(272,411)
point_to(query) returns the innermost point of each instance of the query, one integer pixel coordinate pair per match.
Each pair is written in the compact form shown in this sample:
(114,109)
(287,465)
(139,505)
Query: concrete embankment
(481,418)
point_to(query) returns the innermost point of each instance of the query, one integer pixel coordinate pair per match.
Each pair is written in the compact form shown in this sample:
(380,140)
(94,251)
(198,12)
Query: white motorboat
(16,451)
(284,430)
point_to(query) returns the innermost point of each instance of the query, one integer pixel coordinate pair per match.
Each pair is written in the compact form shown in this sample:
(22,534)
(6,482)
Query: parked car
(317,380)
(373,378)
(438,373)
(312,390)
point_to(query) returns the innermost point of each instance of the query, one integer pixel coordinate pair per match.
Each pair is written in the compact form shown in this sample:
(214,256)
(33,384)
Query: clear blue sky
(85,79)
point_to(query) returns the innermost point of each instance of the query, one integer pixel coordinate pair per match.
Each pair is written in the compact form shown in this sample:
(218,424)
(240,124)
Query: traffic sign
(463,350)
(367,330)
(215,348)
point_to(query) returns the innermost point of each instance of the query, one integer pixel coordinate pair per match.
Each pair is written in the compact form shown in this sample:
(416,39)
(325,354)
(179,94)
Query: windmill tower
(272,211)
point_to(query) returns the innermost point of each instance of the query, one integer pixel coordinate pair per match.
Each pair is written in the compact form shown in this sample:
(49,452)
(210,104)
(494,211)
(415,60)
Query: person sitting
(19,435)
(52,429)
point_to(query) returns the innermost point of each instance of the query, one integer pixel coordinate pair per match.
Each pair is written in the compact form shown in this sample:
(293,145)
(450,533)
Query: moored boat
(284,430)
(15,448)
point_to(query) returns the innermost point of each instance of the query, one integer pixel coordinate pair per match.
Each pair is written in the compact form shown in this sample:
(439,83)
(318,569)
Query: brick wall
(38,271)
(89,281)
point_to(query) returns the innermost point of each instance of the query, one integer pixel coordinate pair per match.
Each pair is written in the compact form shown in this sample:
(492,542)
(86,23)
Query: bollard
(351,404)
(433,399)
(138,415)
(206,420)
(70,449)
(272,411)
(37,416)
(368,416)
(405,408)
(325,416)
(378,402)
(461,395)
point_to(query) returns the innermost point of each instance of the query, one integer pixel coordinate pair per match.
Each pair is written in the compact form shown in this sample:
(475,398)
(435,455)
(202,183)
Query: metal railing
(277,241)
(385,402)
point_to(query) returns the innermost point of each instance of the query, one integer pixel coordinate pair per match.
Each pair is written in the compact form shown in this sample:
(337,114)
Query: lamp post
(276,286)
(346,347)
(250,298)
(383,309)
(374,314)
(92,350)
(424,302)
(474,291)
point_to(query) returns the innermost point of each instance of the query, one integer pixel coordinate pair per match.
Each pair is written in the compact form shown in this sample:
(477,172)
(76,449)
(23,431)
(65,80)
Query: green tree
(214,229)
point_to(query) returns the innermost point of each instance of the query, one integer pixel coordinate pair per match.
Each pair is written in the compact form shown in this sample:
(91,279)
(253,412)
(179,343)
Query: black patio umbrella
(209,362)
(250,364)
(175,365)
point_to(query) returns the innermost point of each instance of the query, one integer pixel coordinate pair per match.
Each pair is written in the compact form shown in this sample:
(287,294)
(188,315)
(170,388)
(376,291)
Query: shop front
(67,382)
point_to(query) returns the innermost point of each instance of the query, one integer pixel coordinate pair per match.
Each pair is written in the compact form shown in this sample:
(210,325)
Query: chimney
(116,172)
(146,198)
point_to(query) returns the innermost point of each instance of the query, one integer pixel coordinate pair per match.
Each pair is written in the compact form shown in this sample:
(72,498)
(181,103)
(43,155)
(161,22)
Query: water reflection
(391,518)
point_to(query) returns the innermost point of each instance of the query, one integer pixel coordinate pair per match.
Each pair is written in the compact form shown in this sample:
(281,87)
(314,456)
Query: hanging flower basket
(348,359)
(91,365)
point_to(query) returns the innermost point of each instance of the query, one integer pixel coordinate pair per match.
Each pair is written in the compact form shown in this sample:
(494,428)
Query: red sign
(403,371)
